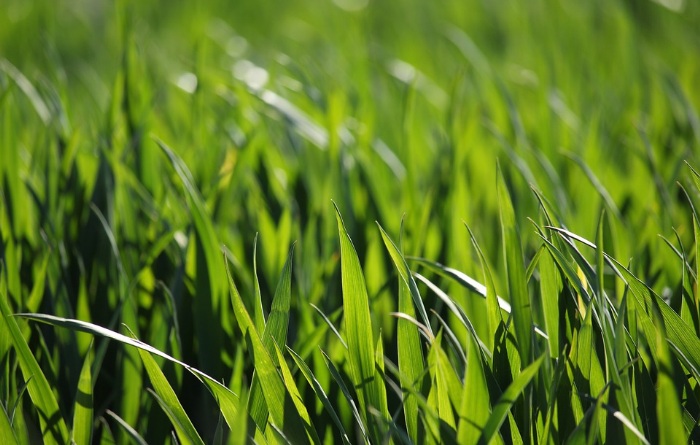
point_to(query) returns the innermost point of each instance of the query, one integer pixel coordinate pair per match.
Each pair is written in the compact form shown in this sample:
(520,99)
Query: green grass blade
(668,406)
(411,361)
(169,401)
(53,426)
(210,280)
(646,299)
(507,399)
(358,327)
(475,407)
(288,420)
(7,434)
(83,407)
(346,393)
(517,284)
(493,310)
(440,387)
(294,394)
(320,393)
(275,333)
(130,431)
(227,399)
(406,276)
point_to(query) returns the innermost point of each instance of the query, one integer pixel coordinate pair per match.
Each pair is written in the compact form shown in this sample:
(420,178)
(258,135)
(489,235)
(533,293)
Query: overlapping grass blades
(53,426)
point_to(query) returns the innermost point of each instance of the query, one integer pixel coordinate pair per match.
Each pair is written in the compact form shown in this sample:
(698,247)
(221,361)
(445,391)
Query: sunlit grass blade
(410,353)
(469,283)
(284,416)
(406,276)
(439,389)
(294,394)
(646,299)
(53,426)
(275,333)
(226,398)
(515,271)
(7,435)
(668,406)
(168,400)
(475,407)
(83,406)
(493,310)
(510,395)
(358,327)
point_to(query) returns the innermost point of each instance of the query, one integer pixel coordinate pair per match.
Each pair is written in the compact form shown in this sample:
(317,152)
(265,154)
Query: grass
(349,222)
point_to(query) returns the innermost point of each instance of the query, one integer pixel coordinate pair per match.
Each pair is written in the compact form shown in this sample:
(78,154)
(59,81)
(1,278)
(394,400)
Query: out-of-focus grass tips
(349,222)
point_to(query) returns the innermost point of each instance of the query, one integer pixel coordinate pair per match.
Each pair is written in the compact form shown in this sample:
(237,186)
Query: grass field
(349,221)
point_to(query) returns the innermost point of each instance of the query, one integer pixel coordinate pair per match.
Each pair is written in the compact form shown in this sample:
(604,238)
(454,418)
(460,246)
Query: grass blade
(288,420)
(275,333)
(358,326)
(475,407)
(517,284)
(83,407)
(7,435)
(411,360)
(53,427)
(168,400)
(507,399)
(320,393)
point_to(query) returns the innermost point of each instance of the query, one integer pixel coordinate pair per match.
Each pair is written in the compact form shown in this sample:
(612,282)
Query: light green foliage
(513,256)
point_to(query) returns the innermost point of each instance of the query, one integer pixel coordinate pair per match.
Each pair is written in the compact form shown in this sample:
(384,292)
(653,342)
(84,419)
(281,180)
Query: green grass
(297,222)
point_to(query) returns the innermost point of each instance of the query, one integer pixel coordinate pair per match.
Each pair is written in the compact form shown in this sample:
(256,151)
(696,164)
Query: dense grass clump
(349,222)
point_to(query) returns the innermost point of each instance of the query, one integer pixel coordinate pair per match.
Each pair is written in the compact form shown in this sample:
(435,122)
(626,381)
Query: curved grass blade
(130,431)
(228,401)
(320,393)
(184,432)
(83,407)
(53,427)
(492,305)
(370,388)
(344,389)
(646,299)
(168,400)
(509,396)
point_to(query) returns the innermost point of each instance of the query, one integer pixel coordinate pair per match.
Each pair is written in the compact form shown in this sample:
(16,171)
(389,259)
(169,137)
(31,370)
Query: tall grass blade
(515,271)
(358,327)
(284,416)
(130,431)
(275,333)
(410,354)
